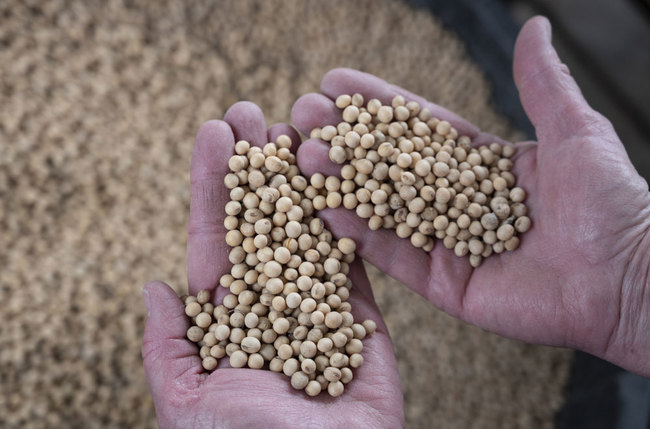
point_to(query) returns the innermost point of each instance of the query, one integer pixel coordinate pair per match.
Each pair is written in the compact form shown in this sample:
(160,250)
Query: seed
(203,296)
(370,326)
(238,359)
(335,388)
(337,155)
(209,363)
(356,360)
(308,366)
(255,361)
(339,339)
(276,365)
(505,232)
(299,380)
(308,349)
(475,260)
(332,374)
(346,246)
(385,114)
(195,334)
(313,388)
(281,325)
(250,345)
(517,195)
(217,352)
(290,367)
(350,113)
(467,178)
(343,101)
(512,243)
(461,248)
(522,224)
(272,269)
(489,221)
(475,247)
(193,309)
(333,320)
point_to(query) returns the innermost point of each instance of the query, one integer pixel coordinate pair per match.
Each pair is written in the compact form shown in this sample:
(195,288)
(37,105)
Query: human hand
(187,396)
(580,276)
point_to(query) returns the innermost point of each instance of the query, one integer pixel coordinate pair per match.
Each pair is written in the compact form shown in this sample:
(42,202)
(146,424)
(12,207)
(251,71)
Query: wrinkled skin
(579,278)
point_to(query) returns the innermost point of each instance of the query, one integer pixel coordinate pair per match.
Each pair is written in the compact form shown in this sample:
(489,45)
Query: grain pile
(287,303)
(100,102)
(412,172)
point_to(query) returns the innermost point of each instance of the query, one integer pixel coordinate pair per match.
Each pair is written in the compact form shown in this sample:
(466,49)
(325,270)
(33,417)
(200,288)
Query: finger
(382,248)
(485,138)
(277,130)
(314,111)
(313,157)
(247,122)
(439,275)
(549,94)
(378,355)
(207,253)
(347,81)
(167,355)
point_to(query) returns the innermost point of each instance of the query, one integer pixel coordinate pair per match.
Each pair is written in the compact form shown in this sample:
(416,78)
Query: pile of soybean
(403,169)
(406,170)
(286,308)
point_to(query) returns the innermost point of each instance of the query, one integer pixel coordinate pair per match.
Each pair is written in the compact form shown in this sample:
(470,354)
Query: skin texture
(580,277)
(187,396)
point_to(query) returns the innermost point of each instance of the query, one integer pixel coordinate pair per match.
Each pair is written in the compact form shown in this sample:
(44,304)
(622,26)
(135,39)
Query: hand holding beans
(579,277)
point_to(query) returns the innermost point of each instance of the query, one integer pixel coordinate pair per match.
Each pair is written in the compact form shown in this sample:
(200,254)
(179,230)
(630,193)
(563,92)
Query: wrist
(629,342)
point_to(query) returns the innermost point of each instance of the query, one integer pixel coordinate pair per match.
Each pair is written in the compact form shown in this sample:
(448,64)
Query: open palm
(187,396)
(579,276)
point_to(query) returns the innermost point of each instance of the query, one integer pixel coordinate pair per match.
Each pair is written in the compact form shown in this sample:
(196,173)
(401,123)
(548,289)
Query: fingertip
(348,81)
(247,122)
(314,111)
(160,296)
(214,132)
(152,287)
(243,108)
(543,23)
(300,113)
(213,139)
(533,39)
(281,128)
(332,78)
(313,157)
(549,94)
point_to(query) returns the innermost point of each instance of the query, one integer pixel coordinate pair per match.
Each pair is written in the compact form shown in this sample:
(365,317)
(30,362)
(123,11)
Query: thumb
(550,96)
(168,356)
